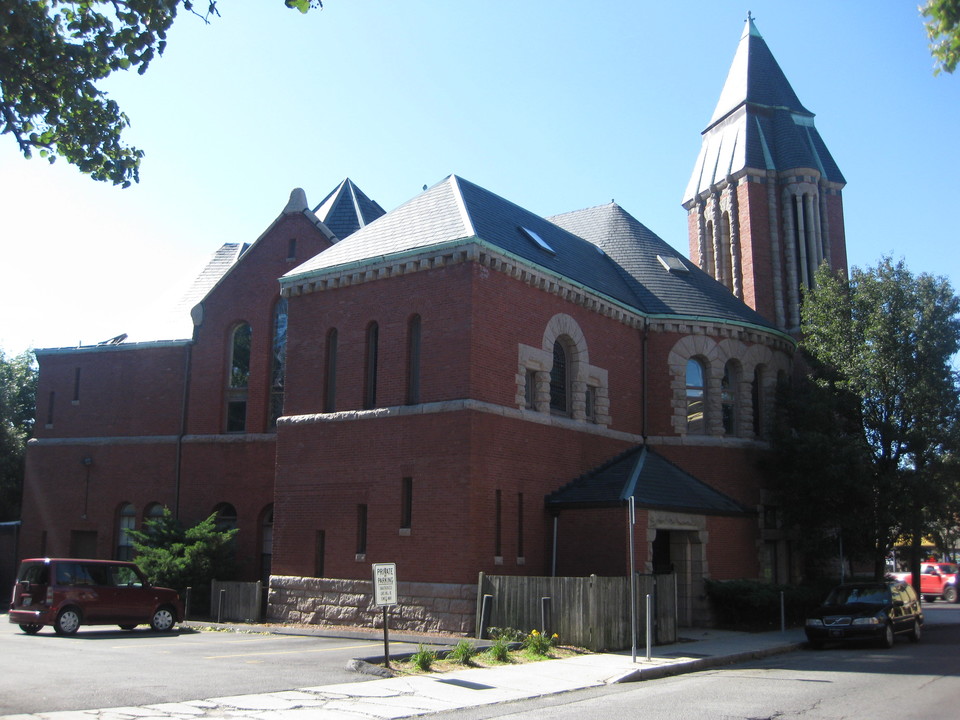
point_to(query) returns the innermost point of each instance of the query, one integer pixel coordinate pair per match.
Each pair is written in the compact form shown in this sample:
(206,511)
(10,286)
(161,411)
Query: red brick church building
(460,386)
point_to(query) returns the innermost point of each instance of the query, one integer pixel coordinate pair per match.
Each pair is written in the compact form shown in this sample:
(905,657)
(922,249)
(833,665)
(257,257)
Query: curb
(698,664)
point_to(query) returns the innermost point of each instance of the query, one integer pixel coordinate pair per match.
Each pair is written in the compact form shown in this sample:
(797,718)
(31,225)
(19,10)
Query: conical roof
(347,209)
(759,123)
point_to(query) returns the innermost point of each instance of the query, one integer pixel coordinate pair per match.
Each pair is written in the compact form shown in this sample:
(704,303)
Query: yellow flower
(534,633)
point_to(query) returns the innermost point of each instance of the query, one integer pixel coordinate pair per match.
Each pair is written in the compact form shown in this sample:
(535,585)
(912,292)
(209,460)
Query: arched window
(370,371)
(239,378)
(696,397)
(757,400)
(413,361)
(154,511)
(559,380)
(330,373)
(128,521)
(725,261)
(728,398)
(266,545)
(278,360)
(226,517)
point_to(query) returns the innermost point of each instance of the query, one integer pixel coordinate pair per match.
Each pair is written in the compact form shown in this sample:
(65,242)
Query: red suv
(68,592)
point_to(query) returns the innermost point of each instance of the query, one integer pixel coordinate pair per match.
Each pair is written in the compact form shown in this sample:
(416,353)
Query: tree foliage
(178,557)
(882,344)
(18,392)
(53,54)
(942,21)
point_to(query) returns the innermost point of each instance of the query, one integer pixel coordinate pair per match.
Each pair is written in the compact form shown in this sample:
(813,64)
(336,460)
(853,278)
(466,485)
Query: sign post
(385,595)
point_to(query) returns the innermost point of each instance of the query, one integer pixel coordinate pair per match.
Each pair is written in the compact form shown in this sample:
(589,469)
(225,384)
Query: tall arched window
(728,397)
(128,521)
(330,373)
(239,378)
(757,400)
(226,519)
(370,370)
(278,360)
(559,380)
(696,397)
(413,361)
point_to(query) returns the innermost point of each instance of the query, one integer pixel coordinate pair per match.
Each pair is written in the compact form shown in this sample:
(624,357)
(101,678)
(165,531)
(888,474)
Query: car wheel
(162,620)
(915,631)
(886,640)
(67,621)
(31,629)
(950,594)
(127,627)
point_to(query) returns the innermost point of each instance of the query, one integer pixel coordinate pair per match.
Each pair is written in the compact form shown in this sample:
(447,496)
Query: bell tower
(764,204)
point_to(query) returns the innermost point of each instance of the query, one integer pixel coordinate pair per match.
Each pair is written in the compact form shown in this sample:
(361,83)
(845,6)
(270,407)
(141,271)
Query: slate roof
(172,321)
(603,249)
(759,122)
(347,209)
(638,251)
(653,481)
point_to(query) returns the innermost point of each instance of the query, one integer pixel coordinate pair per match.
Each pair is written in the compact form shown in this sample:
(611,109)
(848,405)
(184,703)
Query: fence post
(477,618)
(486,608)
(546,615)
(223,596)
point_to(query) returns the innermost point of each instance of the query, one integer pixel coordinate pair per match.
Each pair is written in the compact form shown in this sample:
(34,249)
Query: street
(911,681)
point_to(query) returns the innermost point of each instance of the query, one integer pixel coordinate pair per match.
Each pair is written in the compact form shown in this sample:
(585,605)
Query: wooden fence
(591,612)
(236,600)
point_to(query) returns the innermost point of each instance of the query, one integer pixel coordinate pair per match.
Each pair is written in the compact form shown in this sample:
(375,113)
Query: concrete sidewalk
(414,695)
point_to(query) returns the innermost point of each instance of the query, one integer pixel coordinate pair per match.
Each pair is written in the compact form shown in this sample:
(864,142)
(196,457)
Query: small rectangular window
(519,525)
(590,401)
(406,503)
(361,529)
(498,527)
(319,550)
(530,390)
(76,385)
(292,249)
(50,405)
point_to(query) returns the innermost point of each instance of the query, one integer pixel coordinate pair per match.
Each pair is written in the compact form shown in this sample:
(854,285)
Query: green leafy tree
(18,394)
(942,21)
(53,54)
(887,338)
(174,556)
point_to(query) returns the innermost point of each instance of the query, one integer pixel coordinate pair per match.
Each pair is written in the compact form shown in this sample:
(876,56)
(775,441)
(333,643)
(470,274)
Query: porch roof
(652,480)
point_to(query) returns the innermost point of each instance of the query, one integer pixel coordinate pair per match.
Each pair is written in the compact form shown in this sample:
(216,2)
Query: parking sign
(385,584)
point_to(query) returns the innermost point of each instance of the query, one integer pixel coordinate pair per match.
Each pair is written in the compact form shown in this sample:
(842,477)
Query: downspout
(184,403)
(553,563)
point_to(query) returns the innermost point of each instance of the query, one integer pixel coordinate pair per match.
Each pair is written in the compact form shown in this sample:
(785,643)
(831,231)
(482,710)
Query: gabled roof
(173,321)
(603,249)
(652,480)
(347,209)
(680,289)
(758,123)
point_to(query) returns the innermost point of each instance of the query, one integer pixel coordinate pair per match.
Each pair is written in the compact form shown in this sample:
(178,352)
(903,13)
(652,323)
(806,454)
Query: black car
(872,610)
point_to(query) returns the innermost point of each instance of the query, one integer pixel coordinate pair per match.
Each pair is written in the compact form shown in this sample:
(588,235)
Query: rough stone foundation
(423,607)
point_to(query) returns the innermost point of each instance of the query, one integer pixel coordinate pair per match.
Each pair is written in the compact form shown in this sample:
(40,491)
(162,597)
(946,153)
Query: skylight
(541,243)
(673,264)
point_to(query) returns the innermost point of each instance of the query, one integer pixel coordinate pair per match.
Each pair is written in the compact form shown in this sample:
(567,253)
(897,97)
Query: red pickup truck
(937,580)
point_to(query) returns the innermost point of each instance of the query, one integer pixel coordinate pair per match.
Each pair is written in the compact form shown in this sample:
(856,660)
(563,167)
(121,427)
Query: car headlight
(866,621)
(814,622)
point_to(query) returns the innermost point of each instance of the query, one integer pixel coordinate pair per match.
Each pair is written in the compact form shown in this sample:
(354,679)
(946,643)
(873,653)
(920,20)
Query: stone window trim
(535,363)
(715,355)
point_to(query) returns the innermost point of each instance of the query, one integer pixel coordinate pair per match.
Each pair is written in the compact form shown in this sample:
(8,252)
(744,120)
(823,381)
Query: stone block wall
(423,607)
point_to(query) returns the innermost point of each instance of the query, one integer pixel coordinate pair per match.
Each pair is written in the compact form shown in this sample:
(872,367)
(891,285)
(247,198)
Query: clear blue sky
(554,105)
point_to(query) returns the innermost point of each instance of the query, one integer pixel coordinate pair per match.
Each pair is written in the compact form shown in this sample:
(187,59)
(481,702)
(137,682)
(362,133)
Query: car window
(126,576)
(854,595)
(948,568)
(34,573)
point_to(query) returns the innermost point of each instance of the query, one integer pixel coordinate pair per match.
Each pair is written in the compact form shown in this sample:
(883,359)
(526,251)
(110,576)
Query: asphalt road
(908,682)
(107,667)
